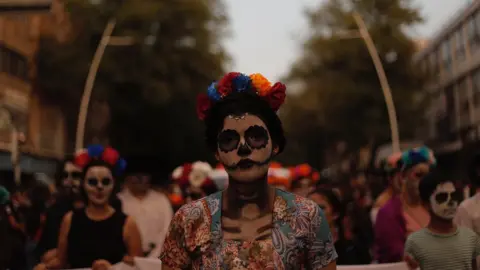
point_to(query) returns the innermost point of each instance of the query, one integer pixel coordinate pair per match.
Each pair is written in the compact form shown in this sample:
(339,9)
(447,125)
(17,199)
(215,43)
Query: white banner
(385,266)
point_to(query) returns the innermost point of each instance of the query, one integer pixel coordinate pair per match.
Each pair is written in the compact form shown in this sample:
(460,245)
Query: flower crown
(238,82)
(305,171)
(416,156)
(98,152)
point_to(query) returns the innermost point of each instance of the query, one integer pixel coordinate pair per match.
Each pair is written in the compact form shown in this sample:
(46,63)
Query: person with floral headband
(404,213)
(98,236)
(391,168)
(194,180)
(303,179)
(250,225)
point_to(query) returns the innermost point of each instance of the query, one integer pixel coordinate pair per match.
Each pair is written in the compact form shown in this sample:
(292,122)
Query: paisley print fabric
(300,238)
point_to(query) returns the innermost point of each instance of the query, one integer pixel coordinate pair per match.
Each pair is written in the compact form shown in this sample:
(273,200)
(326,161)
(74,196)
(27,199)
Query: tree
(151,86)
(339,77)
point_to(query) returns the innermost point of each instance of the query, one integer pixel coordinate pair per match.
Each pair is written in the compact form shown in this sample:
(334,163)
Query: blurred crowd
(367,226)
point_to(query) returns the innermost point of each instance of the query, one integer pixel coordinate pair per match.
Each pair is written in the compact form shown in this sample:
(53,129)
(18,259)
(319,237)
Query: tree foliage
(150,86)
(340,83)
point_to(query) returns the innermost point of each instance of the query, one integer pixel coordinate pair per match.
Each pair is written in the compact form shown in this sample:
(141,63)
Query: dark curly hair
(239,103)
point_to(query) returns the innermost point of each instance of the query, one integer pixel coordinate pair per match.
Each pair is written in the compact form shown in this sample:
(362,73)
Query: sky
(266,35)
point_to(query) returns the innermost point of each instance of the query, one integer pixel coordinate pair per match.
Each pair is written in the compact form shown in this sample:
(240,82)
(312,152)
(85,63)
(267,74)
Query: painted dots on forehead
(242,123)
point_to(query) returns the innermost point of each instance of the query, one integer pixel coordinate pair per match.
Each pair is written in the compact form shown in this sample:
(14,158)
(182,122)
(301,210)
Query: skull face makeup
(71,177)
(98,184)
(245,147)
(444,201)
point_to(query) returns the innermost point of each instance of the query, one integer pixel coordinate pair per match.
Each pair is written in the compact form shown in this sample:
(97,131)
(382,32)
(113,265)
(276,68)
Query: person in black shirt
(99,235)
(68,198)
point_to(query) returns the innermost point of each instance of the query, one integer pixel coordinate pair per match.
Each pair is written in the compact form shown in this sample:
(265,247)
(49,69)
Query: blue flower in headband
(95,150)
(120,166)
(242,83)
(212,92)
(416,156)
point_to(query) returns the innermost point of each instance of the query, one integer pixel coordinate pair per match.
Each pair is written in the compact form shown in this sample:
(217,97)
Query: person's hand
(40,266)
(411,263)
(101,265)
(49,255)
(128,260)
(54,263)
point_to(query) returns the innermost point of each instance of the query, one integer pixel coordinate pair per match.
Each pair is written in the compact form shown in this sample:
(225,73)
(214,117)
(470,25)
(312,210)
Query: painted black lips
(245,164)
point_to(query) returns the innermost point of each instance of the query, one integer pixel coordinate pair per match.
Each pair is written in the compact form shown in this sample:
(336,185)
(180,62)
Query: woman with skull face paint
(98,236)
(250,225)
(404,212)
(68,198)
(441,245)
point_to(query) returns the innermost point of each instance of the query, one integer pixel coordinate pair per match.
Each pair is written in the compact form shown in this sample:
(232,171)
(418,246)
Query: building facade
(452,61)
(40,125)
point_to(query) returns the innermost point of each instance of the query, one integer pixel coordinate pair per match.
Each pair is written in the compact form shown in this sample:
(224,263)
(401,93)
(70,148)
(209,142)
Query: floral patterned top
(301,238)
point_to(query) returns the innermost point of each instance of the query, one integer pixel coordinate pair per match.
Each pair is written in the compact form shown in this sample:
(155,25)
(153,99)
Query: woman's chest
(279,251)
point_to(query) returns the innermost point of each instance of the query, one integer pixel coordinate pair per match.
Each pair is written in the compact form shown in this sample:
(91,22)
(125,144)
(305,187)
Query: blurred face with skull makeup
(245,148)
(71,178)
(98,185)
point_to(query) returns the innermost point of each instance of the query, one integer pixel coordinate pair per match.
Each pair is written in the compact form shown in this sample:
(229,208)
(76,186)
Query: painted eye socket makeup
(93,182)
(228,140)
(256,137)
(74,175)
(443,197)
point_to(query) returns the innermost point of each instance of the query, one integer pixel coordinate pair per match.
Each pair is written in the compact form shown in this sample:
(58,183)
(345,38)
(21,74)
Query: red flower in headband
(203,105)
(277,95)
(224,86)
(82,160)
(110,156)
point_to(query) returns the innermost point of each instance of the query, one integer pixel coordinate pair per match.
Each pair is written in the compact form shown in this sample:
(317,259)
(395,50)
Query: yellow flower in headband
(261,84)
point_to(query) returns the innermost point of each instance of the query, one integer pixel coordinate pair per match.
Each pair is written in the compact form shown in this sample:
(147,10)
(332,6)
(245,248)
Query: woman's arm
(63,240)
(325,257)
(132,239)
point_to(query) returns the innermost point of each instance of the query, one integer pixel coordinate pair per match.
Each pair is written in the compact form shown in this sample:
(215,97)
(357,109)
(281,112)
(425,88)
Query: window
(462,95)
(459,45)
(476,87)
(447,56)
(433,64)
(473,34)
(13,63)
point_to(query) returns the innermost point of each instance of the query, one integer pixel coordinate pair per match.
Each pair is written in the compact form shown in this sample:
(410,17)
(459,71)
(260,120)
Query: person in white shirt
(151,210)
(468,213)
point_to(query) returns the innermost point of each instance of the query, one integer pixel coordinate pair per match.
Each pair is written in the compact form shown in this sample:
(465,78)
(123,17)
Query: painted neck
(239,194)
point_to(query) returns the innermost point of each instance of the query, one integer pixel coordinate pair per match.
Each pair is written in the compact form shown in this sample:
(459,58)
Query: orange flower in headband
(261,83)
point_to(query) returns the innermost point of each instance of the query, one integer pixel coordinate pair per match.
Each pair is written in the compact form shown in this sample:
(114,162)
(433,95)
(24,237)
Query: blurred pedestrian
(468,213)
(404,213)
(304,178)
(67,198)
(151,209)
(98,235)
(350,250)
(12,240)
(392,172)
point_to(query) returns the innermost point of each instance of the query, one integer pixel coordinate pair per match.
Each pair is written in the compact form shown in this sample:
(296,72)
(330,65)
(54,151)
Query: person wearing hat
(151,209)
